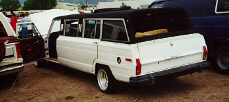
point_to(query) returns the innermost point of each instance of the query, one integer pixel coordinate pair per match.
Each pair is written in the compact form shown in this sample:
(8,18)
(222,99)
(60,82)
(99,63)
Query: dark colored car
(14,52)
(210,18)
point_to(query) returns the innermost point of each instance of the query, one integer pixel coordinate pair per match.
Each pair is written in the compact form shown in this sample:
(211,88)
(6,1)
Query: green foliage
(39,4)
(10,5)
(123,5)
(83,7)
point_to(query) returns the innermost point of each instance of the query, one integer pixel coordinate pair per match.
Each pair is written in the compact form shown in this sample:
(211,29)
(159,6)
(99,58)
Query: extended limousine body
(133,46)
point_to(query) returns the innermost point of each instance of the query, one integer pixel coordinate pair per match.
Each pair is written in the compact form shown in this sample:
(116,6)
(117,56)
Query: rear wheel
(105,80)
(40,63)
(221,60)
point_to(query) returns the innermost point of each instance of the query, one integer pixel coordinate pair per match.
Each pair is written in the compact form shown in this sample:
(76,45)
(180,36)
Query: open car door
(32,48)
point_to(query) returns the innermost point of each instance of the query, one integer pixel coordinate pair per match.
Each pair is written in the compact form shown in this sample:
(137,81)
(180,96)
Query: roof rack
(112,9)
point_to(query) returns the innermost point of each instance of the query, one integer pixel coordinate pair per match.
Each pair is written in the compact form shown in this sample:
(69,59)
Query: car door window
(222,6)
(31,30)
(159,5)
(114,30)
(73,28)
(57,27)
(92,29)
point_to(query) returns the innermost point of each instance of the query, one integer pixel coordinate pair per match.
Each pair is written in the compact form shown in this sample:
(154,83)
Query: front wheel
(221,60)
(40,63)
(105,80)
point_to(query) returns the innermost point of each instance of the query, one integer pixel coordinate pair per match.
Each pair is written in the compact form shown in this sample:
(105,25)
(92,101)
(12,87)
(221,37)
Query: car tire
(105,79)
(221,60)
(40,63)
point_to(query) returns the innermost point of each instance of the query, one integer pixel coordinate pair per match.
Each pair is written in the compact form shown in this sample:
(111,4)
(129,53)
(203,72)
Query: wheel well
(215,45)
(99,65)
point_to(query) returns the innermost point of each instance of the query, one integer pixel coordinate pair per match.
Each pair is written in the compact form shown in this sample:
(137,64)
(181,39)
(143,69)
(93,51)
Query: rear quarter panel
(109,52)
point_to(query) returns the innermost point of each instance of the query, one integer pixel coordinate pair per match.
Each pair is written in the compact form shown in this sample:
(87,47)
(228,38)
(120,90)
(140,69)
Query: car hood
(44,19)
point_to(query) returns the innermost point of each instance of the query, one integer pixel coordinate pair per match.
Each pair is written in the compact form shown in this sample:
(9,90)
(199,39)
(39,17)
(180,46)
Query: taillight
(205,52)
(129,60)
(138,67)
(18,49)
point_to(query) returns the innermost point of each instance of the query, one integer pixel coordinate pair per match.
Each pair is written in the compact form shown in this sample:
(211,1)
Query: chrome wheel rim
(223,60)
(35,63)
(102,79)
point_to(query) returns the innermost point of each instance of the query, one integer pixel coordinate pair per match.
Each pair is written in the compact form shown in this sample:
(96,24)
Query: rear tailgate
(172,52)
(11,54)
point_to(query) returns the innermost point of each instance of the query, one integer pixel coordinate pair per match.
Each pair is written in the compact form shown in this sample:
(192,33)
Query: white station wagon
(133,46)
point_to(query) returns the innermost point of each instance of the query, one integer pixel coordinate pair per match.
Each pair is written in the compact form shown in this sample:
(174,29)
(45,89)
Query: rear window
(222,6)
(147,24)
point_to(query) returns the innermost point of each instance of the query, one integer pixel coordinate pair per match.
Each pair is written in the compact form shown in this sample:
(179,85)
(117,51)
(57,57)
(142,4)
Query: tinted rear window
(152,24)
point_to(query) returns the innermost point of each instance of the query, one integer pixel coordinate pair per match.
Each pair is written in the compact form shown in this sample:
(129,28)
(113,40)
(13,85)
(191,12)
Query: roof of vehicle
(136,17)
(121,13)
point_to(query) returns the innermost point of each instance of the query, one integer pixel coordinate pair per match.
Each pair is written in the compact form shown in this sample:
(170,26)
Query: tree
(83,7)
(123,5)
(39,4)
(10,5)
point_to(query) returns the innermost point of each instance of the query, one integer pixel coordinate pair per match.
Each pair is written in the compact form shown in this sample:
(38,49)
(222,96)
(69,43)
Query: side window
(57,27)
(32,30)
(92,29)
(114,30)
(73,28)
(3,32)
(159,5)
(26,30)
(222,6)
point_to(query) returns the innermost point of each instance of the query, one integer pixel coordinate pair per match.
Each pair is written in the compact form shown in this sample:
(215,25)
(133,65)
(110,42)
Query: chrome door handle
(95,42)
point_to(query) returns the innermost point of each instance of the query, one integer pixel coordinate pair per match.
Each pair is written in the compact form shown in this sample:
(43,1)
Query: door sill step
(52,60)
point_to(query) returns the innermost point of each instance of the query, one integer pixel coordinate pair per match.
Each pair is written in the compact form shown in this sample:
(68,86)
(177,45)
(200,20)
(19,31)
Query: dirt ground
(59,83)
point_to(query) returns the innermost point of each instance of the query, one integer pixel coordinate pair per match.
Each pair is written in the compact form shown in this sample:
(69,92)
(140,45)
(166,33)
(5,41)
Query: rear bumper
(172,73)
(11,69)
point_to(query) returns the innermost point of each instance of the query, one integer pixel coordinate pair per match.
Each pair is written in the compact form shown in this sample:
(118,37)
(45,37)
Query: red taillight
(129,60)
(18,50)
(205,53)
(138,67)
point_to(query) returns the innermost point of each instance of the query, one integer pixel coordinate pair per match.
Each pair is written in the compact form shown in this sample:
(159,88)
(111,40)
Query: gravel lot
(59,83)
